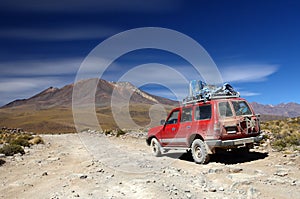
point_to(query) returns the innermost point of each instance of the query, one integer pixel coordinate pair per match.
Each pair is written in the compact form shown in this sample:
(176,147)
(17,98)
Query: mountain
(62,97)
(284,110)
(50,111)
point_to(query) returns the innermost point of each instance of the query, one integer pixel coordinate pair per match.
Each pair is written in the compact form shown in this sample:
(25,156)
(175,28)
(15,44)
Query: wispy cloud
(248,72)
(12,85)
(40,67)
(80,32)
(24,87)
(22,79)
(248,93)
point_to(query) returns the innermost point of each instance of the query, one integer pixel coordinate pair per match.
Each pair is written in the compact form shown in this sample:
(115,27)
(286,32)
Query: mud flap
(209,149)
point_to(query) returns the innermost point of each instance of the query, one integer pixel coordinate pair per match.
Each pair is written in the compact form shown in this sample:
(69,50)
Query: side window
(203,112)
(225,109)
(173,119)
(241,108)
(186,115)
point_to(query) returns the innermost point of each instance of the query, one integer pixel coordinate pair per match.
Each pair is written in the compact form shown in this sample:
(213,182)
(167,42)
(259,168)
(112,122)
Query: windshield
(241,108)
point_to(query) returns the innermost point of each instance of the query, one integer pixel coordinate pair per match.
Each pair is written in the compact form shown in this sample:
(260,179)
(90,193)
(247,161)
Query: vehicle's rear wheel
(155,147)
(199,152)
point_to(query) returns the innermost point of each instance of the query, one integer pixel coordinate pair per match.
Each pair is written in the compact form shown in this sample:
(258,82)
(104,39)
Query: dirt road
(89,165)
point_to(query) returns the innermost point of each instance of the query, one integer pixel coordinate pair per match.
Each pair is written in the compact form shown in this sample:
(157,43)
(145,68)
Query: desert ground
(91,165)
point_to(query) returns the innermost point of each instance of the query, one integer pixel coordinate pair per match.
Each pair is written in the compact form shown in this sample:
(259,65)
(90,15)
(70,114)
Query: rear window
(203,112)
(225,109)
(241,108)
(186,115)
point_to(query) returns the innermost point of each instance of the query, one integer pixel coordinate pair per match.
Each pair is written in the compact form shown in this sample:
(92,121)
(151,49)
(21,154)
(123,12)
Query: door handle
(173,129)
(188,127)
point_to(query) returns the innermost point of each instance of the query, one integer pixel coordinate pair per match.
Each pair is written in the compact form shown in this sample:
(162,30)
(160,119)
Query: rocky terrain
(92,165)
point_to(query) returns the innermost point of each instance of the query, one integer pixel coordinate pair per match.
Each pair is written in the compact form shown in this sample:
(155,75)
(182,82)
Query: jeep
(203,127)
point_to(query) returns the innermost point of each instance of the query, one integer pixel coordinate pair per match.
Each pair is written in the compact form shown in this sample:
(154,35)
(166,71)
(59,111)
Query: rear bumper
(235,142)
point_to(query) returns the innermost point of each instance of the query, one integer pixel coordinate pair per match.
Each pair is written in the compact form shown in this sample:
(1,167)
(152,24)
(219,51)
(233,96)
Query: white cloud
(11,85)
(25,87)
(40,67)
(248,93)
(248,73)
(59,33)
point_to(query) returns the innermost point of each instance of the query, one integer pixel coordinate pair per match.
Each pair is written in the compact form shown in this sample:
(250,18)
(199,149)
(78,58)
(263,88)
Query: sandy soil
(89,165)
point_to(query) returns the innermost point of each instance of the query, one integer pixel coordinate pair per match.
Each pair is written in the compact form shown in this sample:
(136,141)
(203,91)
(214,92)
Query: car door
(168,136)
(185,127)
(202,117)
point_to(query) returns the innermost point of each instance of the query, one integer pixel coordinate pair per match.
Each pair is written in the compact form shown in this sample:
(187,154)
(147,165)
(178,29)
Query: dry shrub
(285,134)
(36,140)
(11,149)
(2,162)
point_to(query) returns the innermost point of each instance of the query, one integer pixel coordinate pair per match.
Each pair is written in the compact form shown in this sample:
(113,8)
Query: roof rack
(200,92)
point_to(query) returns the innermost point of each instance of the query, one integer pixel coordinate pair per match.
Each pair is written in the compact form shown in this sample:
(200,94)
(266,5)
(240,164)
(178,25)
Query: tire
(199,152)
(155,147)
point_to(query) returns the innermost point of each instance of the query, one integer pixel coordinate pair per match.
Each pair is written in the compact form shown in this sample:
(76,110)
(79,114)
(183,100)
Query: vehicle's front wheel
(199,152)
(155,147)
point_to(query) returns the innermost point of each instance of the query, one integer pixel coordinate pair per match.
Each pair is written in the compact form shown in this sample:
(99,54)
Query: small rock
(290,163)
(53,159)
(281,173)
(215,170)
(221,189)
(235,170)
(45,173)
(101,171)
(252,193)
(83,177)
(294,183)
(2,155)
(188,195)
(212,189)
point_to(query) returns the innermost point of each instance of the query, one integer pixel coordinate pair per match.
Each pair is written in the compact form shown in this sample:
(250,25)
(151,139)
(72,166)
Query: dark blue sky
(43,44)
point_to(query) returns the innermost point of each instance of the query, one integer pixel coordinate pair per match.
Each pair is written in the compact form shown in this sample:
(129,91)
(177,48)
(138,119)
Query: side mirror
(162,122)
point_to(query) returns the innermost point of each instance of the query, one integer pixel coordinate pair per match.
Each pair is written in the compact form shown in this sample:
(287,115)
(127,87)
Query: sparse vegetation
(119,132)
(2,162)
(13,141)
(116,132)
(11,149)
(283,134)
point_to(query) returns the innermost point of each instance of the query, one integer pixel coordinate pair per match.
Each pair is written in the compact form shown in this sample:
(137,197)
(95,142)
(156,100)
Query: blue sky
(43,44)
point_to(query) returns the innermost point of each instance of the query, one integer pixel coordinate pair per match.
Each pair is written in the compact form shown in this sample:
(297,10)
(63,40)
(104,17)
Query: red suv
(205,126)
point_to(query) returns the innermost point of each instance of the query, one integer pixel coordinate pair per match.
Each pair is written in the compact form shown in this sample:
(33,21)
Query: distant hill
(50,111)
(62,97)
(277,111)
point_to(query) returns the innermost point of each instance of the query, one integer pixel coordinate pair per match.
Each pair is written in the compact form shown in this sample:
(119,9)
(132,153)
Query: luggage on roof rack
(200,91)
